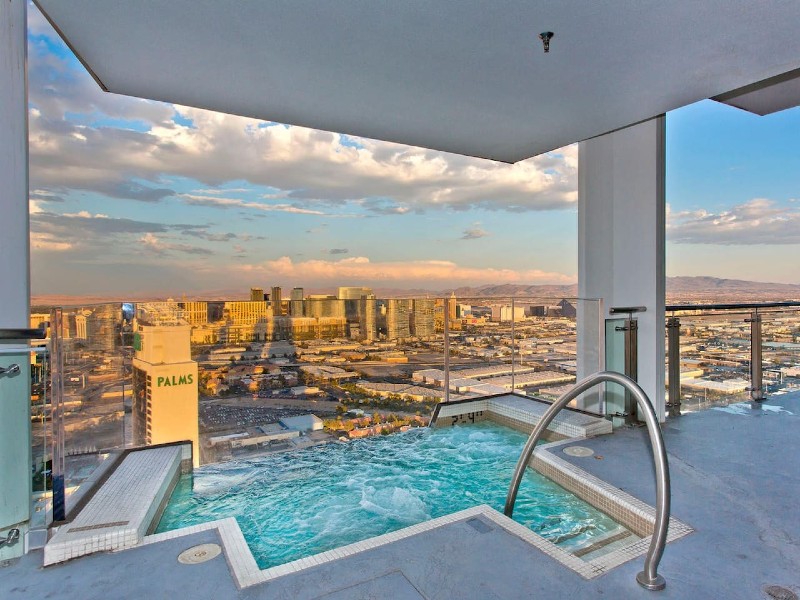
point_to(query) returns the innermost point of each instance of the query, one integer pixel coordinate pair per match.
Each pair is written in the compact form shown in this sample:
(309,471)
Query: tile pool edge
(245,570)
(636,515)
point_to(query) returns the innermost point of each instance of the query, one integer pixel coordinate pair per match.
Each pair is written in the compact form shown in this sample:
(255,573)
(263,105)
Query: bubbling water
(295,504)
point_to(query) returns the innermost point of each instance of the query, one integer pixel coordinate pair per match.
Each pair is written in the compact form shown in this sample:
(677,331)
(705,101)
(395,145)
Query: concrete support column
(15,423)
(621,228)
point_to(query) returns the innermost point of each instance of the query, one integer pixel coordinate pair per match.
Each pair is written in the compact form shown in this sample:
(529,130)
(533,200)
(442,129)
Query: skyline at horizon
(140,197)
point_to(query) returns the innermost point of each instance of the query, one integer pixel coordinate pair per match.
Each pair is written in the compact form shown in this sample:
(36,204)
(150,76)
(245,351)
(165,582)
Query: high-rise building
(354,293)
(276,301)
(256,294)
(164,407)
(422,323)
(452,306)
(324,306)
(296,302)
(308,328)
(359,306)
(101,325)
(396,318)
(245,313)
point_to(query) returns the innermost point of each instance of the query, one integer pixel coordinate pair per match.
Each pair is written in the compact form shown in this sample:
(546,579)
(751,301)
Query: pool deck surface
(735,480)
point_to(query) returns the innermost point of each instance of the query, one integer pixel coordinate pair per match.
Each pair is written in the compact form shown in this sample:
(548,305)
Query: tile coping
(631,512)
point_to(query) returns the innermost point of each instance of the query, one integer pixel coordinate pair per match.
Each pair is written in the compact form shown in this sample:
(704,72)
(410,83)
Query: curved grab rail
(649,577)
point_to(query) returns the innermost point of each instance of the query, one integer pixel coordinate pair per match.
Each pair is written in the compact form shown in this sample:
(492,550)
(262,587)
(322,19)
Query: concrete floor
(735,479)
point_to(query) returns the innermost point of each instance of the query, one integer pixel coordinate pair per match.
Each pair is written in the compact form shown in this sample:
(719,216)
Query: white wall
(15,437)
(621,228)
(14,246)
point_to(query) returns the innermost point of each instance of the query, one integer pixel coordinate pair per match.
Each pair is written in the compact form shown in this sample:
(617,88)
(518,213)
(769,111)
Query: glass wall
(243,378)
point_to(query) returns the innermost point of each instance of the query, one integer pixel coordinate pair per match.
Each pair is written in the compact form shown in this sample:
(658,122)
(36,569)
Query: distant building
(195,313)
(354,293)
(276,301)
(101,325)
(164,405)
(452,305)
(296,302)
(81,330)
(396,313)
(246,313)
(303,423)
(568,309)
(463,311)
(422,318)
(506,313)
(168,312)
(307,328)
(256,294)
(360,312)
(324,306)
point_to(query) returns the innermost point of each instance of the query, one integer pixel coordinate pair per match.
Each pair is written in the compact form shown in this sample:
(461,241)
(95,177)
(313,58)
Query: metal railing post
(674,365)
(756,380)
(57,412)
(649,577)
(447,350)
(513,346)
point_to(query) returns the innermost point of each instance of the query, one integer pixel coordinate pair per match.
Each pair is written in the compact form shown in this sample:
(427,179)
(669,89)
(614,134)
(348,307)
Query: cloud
(361,269)
(84,139)
(130,190)
(474,233)
(214,202)
(211,237)
(223,191)
(48,243)
(45,196)
(383,206)
(758,221)
(83,235)
(338,251)
(160,247)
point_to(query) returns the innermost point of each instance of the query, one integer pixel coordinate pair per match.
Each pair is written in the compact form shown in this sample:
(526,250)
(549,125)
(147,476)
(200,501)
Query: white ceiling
(465,76)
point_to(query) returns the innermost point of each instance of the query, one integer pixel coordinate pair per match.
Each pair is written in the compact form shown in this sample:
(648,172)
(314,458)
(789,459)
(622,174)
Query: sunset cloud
(162,247)
(360,268)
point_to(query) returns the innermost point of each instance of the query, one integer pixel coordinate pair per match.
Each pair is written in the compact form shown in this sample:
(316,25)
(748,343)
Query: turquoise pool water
(296,504)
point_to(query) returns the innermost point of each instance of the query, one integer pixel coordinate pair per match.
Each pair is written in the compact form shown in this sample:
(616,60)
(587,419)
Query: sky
(138,197)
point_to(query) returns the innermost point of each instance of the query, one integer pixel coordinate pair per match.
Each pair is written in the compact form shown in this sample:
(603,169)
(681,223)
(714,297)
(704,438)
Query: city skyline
(138,197)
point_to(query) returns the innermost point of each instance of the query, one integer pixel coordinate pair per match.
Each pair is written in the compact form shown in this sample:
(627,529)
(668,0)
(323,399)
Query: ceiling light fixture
(546,36)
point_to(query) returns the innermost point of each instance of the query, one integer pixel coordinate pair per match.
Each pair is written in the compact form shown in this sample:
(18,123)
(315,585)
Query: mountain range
(679,289)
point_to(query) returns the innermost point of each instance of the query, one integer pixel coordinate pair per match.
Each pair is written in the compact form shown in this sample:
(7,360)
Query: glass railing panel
(41,463)
(527,345)
(240,376)
(714,358)
(95,376)
(482,346)
(361,365)
(780,351)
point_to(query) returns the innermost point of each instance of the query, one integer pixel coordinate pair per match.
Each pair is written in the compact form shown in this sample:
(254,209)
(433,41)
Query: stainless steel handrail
(649,577)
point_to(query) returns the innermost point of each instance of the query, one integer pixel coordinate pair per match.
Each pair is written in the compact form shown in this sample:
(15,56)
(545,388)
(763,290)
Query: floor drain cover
(578,451)
(779,593)
(199,554)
